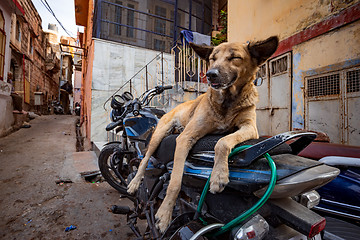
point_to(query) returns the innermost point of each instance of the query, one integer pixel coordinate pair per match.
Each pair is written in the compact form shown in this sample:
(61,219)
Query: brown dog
(227,106)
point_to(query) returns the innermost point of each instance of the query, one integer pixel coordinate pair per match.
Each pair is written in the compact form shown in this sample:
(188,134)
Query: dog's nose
(212,73)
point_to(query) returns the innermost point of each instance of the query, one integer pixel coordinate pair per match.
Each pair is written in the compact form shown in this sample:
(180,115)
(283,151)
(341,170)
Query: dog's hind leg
(184,142)
(163,129)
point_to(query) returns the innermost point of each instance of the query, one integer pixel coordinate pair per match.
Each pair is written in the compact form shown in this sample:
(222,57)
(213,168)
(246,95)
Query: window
(130,21)
(159,45)
(31,47)
(2,45)
(353,81)
(279,66)
(160,24)
(118,16)
(18,31)
(262,72)
(323,86)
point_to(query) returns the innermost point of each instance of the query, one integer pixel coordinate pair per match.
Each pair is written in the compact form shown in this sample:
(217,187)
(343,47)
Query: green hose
(254,208)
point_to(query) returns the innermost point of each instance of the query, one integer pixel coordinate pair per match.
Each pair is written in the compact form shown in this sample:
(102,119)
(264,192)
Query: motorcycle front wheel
(113,164)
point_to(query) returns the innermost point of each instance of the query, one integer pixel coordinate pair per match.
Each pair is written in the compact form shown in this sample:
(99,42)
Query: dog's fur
(227,106)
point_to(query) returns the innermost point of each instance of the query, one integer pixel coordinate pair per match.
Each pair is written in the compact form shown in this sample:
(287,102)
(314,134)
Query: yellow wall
(259,19)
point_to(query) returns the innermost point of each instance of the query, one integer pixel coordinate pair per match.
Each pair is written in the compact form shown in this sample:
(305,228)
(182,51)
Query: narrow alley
(34,205)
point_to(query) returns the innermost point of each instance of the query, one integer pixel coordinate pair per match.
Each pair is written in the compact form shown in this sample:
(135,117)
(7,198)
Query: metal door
(352,106)
(332,103)
(273,109)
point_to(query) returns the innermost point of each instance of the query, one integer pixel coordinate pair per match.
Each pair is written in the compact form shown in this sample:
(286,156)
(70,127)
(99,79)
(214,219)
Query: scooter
(269,196)
(77,109)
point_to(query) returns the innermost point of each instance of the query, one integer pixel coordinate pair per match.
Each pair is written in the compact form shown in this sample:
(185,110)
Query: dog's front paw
(133,185)
(219,179)
(163,218)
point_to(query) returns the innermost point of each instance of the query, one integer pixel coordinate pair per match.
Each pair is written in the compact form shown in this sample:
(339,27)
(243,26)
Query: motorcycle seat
(245,179)
(165,152)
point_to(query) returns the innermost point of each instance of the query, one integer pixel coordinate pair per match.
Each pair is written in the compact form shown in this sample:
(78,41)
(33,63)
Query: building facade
(312,81)
(7,8)
(129,44)
(34,66)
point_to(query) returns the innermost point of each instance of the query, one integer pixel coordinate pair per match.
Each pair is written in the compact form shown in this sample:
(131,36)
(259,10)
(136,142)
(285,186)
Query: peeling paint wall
(333,51)
(323,36)
(259,19)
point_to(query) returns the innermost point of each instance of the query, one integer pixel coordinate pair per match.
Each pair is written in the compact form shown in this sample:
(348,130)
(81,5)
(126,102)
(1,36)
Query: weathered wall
(114,64)
(6,108)
(6,117)
(7,16)
(77,86)
(335,51)
(259,19)
(87,65)
(323,36)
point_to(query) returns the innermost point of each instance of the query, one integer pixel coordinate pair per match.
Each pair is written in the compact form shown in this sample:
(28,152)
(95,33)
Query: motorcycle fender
(112,143)
(295,215)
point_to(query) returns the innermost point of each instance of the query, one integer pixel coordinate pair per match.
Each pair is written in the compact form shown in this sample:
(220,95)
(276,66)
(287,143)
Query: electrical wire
(47,6)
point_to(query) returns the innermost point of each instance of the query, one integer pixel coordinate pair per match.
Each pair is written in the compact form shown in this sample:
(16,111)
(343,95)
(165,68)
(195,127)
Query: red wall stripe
(346,16)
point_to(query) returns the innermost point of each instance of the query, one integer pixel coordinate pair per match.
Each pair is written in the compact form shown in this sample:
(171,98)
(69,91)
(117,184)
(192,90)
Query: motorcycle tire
(111,163)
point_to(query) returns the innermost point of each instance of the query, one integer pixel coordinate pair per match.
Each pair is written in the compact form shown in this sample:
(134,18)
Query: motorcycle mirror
(258,82)
(127,96)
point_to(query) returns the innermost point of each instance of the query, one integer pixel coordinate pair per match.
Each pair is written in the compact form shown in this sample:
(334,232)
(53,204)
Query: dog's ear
(203,51)
(262,50)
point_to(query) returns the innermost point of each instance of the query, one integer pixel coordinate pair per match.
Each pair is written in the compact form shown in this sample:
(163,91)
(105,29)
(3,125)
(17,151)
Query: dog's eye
(212,59)
(233,58)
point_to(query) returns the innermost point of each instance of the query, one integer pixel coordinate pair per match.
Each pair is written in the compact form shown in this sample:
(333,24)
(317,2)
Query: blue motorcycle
(241,211)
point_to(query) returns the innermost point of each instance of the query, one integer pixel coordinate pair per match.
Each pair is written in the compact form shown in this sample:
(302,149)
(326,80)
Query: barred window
(262,71)
(279,66)
(323,86)
(353,81)
(130,21)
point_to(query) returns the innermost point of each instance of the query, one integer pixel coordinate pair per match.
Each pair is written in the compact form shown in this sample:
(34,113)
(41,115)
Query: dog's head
(234,63)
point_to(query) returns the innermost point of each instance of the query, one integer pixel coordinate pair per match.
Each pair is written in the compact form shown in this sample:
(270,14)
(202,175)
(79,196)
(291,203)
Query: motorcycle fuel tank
(140,127)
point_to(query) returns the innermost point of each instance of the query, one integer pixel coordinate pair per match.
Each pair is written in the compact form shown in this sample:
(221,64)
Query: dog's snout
(212,73)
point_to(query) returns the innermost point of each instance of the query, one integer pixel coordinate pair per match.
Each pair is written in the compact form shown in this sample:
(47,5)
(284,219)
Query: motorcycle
(56,105)
(77,109)
(241,211)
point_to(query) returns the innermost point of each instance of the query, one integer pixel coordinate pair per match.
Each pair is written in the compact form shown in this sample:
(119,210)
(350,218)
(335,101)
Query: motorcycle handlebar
(113,125)
(136,108)
(167,87)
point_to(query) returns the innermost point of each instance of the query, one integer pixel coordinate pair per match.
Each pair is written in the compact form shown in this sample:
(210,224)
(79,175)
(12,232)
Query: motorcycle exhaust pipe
(124,210)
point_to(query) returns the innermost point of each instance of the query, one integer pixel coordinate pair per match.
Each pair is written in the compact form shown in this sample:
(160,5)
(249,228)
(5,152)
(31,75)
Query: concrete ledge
(97,147)
(85,162)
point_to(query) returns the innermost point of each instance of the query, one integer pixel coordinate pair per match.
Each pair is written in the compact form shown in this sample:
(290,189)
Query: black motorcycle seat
(165,152)
(158,112)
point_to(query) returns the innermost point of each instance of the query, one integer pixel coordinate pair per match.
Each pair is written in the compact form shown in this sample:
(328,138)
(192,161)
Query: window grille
(353,81)
(279,66)
(324,85)
(130,21)
(262,72)
(118,16)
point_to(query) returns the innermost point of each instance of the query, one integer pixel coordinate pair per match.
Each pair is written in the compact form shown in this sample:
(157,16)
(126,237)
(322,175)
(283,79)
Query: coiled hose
(255,207)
